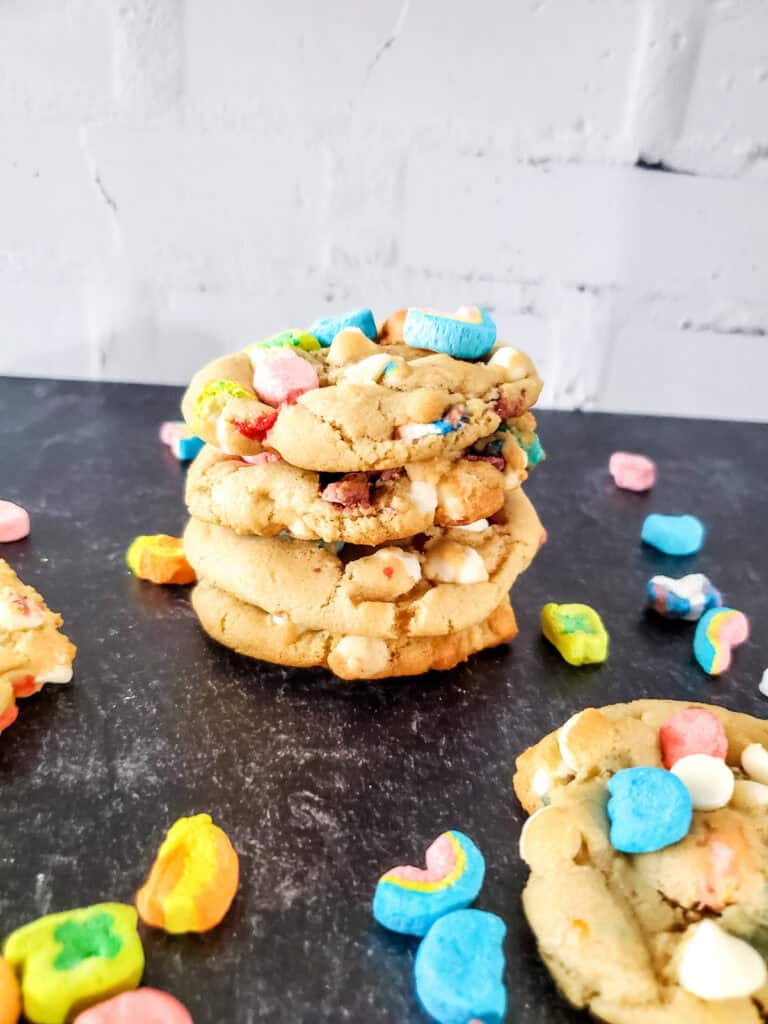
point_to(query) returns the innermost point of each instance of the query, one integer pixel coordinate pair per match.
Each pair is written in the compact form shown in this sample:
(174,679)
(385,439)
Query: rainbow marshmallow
(409,899)
(469,333)
(719,630)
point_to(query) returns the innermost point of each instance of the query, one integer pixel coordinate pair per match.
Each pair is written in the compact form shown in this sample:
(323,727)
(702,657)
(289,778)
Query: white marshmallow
(754,761)
(717,965)
(708,780)
(449,562)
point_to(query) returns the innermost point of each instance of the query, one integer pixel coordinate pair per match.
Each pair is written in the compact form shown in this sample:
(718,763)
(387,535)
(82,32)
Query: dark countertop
(322,785)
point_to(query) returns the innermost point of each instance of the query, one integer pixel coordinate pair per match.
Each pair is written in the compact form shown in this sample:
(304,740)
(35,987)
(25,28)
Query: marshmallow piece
(632,472)
(717,633)
(469,333)
(709,780)
(674,535)
(515,365)
(14,522)
(280,376)
(747,794)
(717,965)
(17,611)
(359,657)
(692,731)
(328,328)
(368,370)
(172,429)
(648,808)
(147,1005)
(754,761)
(687,598)
(449,562)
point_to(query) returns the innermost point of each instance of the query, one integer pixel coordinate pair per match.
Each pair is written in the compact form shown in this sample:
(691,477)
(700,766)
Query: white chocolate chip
(708,779)
(477,527)
(749,795)
(58,674)
(360,656)
(413,431)
(368,370)
(406,559)
(562,742)
(540,783)
(514,364)
(521,843)
(424,496)
(17,611)
(763,684)
(449,562)
(222,431)
(717,965)
(754,761)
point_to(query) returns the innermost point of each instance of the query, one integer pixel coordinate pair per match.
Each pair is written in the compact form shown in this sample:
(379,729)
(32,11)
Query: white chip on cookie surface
(717,965)
(708,779)
(515,364)
(17,611)
(562,742)
(754,761)
(58,674)
(360,656)
(406,559)
(748,794)
(368,370)
(477,527)
(449,562)
(424,495)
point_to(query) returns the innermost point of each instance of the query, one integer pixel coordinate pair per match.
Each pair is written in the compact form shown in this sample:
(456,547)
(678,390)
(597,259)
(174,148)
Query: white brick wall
(178,177)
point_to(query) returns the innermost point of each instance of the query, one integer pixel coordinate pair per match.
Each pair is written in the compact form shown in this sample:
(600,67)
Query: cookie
(451,579)
(666,937)
(374,405)
(254,632)
(271,496)
(32,650)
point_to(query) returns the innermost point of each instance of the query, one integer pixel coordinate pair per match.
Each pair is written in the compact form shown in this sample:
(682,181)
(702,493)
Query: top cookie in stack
(355,434)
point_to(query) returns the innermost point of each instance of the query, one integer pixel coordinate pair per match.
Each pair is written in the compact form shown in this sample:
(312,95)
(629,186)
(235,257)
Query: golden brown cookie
(450,579)
(374,406)
(32,650)
(272,497)
(673,936)
(276,638)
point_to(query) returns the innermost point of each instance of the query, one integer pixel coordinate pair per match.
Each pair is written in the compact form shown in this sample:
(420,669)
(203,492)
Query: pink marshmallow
(173,430)
(14,522)
(148,1005)
(280,376)
(261,458)
(692,731)
(632,472)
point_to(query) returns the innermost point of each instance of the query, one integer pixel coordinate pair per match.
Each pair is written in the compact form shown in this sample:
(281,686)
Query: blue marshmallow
(649,808)
(186,448)
(459,969)
(442,332)
(326,329)
(674,535)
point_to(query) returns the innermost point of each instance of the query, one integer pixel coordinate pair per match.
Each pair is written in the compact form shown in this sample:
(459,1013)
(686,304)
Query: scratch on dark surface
(715,327)
(391,39)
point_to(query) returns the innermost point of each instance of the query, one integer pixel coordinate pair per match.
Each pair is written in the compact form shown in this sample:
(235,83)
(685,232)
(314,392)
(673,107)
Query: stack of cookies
(358,503)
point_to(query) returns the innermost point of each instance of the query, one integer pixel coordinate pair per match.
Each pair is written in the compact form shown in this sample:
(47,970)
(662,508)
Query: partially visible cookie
(276,638)
(357,405)
(445,580)
(272,496)
(673,936)
(32,650)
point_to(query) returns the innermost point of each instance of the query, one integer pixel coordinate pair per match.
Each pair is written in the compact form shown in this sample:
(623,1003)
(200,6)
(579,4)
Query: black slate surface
(322,784)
